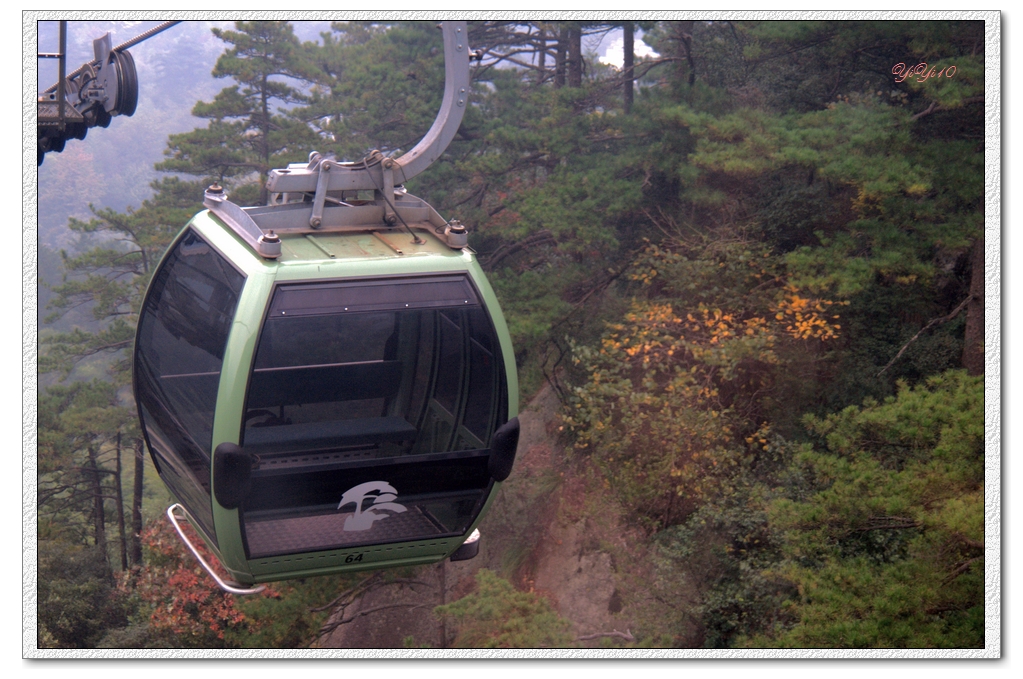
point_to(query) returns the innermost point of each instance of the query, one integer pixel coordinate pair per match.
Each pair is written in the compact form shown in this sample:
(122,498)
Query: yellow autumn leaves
(664,409)
(806,318)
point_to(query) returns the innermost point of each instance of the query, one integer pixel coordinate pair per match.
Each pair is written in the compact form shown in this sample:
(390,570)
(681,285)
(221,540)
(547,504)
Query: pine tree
(249,133)
(886,544)
(110,278)
(84,424)
(380,87)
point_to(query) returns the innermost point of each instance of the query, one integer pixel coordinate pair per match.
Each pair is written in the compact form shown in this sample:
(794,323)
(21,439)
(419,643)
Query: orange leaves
(758,439)
(184,600)
(804,318)
(665,410)
(646,276)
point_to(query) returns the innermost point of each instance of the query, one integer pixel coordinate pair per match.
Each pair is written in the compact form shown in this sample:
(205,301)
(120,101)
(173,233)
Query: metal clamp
(267,245)
(230,588)
(323,166)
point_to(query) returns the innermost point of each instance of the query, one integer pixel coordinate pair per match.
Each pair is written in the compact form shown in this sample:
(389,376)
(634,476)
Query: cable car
(326,383)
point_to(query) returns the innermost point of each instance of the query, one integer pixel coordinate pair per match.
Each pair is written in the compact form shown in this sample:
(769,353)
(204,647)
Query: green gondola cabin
(327,383)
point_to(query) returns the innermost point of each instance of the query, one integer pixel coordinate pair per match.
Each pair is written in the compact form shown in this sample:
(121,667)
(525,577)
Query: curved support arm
(452,108)
(372,172)
(229,588)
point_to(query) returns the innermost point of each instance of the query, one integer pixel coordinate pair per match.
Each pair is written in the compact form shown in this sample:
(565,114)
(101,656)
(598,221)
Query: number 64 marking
(353,558)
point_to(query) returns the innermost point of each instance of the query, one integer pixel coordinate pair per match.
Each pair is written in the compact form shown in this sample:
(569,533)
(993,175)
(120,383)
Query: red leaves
(185,601)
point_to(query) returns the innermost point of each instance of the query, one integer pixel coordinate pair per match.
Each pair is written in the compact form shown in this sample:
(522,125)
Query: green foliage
(676,395)
(802,65)
(110,277)
(724,549)
(532,302)
(379,87)
(497,615)
(886,548)
(844,196)
(76,597)
(78,427)
(245,136)
(859,604)
(904,205)
(292,618)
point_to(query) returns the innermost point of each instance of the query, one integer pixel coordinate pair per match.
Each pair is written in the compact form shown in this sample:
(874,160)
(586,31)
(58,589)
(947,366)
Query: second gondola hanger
(327,383)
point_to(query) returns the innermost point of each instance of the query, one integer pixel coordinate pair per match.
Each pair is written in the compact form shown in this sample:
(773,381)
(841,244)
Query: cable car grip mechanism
(377,172)
(230,588)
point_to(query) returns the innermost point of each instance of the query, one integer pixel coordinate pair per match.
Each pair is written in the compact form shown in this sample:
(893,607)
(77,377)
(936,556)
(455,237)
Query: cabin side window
(182,335)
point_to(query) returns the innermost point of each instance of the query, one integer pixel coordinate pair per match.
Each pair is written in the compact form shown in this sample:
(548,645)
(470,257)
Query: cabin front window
(370,408)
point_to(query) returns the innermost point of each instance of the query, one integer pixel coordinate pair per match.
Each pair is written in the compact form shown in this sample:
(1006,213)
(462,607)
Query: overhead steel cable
(123,46)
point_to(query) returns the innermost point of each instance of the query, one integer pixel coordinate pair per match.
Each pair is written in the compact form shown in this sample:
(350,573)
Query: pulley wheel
(127,84)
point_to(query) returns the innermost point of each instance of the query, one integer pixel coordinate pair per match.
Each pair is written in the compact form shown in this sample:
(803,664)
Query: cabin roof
(333,254)
(360,245)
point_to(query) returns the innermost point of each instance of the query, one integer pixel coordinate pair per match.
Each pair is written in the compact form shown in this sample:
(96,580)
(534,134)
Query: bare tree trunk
(687,43)
(541,41)
(120,508)
(973,344)
(575,55)
(559,57)
(443,600)
(681,35)
(98,518)
(264,147)
(628,64)
(136,504)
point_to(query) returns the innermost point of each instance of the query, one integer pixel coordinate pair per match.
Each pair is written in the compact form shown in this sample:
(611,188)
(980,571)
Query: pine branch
(936,107)
(960,568)
(626,635)
(540,238)
(330,627)
(887,523)
(934,322)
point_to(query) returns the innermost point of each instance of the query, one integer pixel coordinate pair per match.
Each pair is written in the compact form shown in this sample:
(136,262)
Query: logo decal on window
(382,494)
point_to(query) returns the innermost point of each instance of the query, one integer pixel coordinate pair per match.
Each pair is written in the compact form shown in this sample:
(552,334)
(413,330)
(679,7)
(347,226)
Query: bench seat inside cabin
(272,388)
(287,438)
(291,386)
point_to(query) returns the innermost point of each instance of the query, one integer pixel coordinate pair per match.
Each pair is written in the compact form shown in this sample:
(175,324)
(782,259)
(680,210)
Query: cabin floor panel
(270,537)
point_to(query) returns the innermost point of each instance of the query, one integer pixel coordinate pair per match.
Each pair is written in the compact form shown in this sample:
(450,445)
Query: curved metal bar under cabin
(229,587)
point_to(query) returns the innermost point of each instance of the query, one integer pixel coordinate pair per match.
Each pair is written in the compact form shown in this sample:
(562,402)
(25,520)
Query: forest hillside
(743,273)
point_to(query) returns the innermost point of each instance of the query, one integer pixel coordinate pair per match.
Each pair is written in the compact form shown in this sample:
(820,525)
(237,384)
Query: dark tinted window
(326,377)
(388,385)
(449,369)
(479,405)
(182,335)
